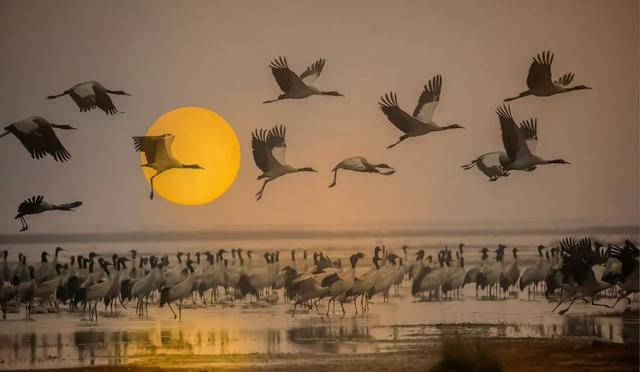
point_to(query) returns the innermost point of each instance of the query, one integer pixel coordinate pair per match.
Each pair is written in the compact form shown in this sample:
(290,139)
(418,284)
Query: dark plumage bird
(157,151)
(269,154)
(38,137)
(294,86)
(360,164)
(91,94)
(421,122)
(36,205)
(628,277)
(540,82)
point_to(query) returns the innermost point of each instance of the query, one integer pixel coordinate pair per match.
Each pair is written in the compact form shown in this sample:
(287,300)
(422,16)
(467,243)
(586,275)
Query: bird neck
(118,92)
(331,93)
(577,87)
(191,166)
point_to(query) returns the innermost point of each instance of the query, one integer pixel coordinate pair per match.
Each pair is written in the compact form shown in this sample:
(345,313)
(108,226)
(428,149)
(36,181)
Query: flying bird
(269,154)
(157,151)
(540,82)
(91,94)
(38,137)
(36,205)
(360,164)
(294,86)
(421,122)
(493,164)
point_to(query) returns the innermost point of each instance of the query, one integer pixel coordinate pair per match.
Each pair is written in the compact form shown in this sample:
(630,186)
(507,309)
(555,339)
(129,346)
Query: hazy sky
(215,54)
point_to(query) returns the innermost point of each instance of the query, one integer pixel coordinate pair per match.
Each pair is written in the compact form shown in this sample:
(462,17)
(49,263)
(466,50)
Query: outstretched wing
(30,203)
(514,143)
(269,148)
(540,71)
(565,79)
(103,101)
(529,130)
(398,117)
(312,73)
(152,146)
(285,78)
(429,99)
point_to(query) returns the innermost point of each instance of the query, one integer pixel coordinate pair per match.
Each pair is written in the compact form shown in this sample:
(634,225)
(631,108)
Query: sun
(201,137)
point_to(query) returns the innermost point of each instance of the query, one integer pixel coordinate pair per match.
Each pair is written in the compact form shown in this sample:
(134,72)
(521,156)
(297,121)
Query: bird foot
(23,229)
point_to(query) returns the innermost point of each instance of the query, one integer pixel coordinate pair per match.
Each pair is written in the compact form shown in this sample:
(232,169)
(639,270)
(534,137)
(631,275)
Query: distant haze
(215,54)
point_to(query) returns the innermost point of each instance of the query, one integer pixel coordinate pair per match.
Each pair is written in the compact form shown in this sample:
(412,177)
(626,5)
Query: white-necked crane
(37,136)
(493,164)
(90,94)
(294,86)
(360,164)
(269,154)
(540,82)
(421,122)
(36,205)
(157,151)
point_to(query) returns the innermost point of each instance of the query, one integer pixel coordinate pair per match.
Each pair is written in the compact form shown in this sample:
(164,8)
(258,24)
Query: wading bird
(89,94)
(294,86)
(36,204)
(493,164)
(157,151)
(421,122)
(540,82)
(269,154)
(38,137)
(360,164)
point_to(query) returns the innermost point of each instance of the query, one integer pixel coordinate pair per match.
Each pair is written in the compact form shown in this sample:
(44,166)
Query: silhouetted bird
(492,164)
(38,137)
(89,94)
(157,151)
(36,205)
(421,122)
(294,86)
(540,82)
(360,164)
(269,154)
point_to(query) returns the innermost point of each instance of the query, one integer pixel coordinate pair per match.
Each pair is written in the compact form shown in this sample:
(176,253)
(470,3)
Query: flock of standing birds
(269,145)
(569,271)
(575,269)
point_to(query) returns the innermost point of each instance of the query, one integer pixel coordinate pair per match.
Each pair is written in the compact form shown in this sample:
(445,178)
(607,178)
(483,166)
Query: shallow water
(63,340)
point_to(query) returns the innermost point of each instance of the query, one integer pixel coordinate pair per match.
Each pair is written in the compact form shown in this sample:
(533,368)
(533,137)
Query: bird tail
(69,206)
(245,286)
(164,296)
(470,165)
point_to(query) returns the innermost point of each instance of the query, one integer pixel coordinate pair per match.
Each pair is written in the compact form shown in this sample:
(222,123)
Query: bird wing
(312,73)
(50,142)
(87,103)
(264,143)
(565,79)
(512,138)
(152,146)
(490,163)
(285,78)
(389,105)
(30,204)
(429,99)
(540,71)
(27,133)
(103,101)
(529,130)
(356,163)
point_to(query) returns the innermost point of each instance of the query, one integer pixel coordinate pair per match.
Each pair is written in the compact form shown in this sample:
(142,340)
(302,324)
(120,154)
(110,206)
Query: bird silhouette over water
(360,164)
(493,164)
(36,205)
(294,86)
(157,151)
(421,122)
(269,154)
(38,137)
(91,94)
(540,82)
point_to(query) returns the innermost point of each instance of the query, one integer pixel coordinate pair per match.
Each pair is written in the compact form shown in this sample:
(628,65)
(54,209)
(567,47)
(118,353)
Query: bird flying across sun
(540,82)
(36,205)
(91,94)
(157,150)
(493,164)
(38,137)
(360,164)
(269,154)
(294,86)
(421,122)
